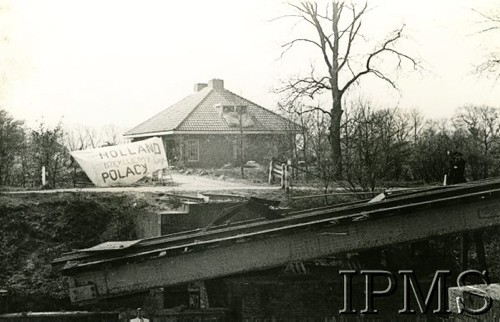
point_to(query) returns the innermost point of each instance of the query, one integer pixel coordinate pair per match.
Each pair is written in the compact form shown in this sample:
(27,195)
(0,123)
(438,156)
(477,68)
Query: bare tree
(417,120)
(48,151)
(93,137)
(293,113)
(111,135)
(89,137)
(429,162)
(318,124)
(491,65)
(336,30)
(11,140)
(376,145)
(483,126)
(83,137)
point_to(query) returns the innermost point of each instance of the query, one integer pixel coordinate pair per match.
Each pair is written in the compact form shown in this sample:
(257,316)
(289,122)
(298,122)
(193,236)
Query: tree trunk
(335,137)
(242,164)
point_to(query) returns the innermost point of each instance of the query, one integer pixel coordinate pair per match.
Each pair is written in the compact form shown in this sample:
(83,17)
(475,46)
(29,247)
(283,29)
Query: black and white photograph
(249,160)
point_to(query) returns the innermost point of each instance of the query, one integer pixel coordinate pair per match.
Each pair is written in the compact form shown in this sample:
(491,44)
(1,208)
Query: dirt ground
(179,183)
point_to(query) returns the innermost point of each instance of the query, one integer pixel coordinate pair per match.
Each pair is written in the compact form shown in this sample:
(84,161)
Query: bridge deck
(113,270)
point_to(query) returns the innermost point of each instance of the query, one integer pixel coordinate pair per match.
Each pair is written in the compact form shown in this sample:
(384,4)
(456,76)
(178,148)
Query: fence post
(291,168)
(288,174)
(271,168)
(283,175)
(44,180)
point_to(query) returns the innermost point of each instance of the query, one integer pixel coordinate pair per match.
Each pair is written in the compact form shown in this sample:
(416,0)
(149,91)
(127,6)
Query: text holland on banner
(123,164)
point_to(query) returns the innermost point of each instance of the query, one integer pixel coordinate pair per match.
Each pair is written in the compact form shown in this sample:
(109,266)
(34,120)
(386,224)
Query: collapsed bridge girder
(182,258)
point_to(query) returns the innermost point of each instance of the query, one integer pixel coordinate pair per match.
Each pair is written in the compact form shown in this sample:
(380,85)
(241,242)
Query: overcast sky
(122,61)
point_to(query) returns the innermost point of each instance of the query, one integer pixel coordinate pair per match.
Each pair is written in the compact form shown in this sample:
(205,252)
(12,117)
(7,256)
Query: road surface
(181,182)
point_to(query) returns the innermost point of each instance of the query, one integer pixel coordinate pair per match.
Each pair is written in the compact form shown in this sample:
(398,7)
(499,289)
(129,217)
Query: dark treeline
(24,151)
(380,146)
(390,146)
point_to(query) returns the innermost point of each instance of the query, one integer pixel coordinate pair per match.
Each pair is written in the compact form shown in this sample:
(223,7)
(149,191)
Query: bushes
(381,145)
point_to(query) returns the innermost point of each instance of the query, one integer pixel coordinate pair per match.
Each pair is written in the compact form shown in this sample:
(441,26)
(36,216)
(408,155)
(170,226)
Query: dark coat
(456,170)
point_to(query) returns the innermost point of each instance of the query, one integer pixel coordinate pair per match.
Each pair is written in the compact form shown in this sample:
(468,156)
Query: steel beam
(276,247)
(342,213)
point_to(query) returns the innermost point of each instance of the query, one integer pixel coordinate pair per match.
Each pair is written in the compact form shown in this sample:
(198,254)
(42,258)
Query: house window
(227,109)
(193,150)
(241,109)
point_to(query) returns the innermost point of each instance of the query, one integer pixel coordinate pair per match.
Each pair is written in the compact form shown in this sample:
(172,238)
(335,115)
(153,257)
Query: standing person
(456,169)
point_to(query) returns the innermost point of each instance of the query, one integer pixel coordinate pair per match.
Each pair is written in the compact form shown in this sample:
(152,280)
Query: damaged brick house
(212,126)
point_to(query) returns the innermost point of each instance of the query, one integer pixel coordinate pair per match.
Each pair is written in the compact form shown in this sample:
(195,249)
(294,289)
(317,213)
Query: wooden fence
(280,172)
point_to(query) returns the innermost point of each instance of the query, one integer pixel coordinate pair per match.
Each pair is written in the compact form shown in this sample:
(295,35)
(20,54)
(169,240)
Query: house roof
(198,113)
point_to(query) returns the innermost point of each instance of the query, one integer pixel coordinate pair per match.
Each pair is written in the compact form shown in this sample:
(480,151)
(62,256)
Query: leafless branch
(312,109)
(487,17)
(491,65)
(305,87)
(353,28)
(335,38)
(385,48)
(290,44)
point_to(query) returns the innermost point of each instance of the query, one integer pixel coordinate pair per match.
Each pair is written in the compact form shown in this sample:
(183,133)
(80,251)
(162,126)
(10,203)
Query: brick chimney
(199,86)
(216,83)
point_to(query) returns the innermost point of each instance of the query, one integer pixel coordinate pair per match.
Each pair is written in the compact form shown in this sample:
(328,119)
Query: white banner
(123,164)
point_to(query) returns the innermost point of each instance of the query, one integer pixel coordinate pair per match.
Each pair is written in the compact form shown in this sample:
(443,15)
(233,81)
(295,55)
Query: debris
(252,164)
